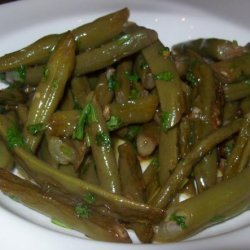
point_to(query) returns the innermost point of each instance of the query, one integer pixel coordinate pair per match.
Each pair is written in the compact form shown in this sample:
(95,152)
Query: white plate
(175,20)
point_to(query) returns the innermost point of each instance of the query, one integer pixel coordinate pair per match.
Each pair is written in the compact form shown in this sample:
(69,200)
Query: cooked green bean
(237,91)
(90,225)
(216,49)
(234,158)
(12,96)
(233,69)
(87,36)
(190,216)
(50,90)
(171,98)
(138,111)
(122,87)
(245,105)
(7,161)
(102,149)
(44,174)
(184,167)
(111,52)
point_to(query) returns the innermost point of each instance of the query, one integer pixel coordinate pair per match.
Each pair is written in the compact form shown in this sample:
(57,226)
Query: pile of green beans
(108,130)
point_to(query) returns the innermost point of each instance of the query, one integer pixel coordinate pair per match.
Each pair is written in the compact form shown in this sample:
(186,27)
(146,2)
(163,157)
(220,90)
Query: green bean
(133,186)
(168,83)
(44,174)
(28,75)
(233,69)
(12,96)
(216,49)
(63,123)
(104,93)
(140,110)
(184,167)
(205,171)
(171,98)
(31,196)
(237,91)
(7,161)
(102,150)
(148,139)
(184,144)
(87,36)
(233,160)
(44,154)
(245,105)
(142,69)
(113,51)
(230,110)
(50,90)
(79,89)
(68,169)
(188,217)
(122,90)
(131,173)
(88,172)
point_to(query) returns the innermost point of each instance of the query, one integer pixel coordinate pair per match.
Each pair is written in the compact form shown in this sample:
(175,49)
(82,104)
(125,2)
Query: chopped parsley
(82,211)
(89,198)
(192,79)
(165,52)
(45,72)
(134,94)
(144,65)
(132,77)
(87,114)
(132,132)
(14,137)
(155,162)
(54,83)
(112,83)
(179,220)
(113,123)
(21,73)
(36,129)
(59,223)
(167,120)
(103,140)
(2,76)
(165,76)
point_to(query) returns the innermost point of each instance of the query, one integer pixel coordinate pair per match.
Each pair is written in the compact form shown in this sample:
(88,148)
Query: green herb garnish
(112,83)
(36,129)
(165,76)
(82,211)
(134,94)
(87,114)
(192,79)
(113,123)
(21,73)
(89,198)
(59,223)
(179,220)
(45,72)
(132,132)
(102,139)
(132,77)
(167,120)
(14,137)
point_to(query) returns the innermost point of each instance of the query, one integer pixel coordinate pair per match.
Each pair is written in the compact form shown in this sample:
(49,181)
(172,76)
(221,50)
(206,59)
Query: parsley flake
(113,123)
(36,129)
(103,140)
(165,76)
(82,211)
(179,220)
(14,137)
(167,120)
(89,198)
